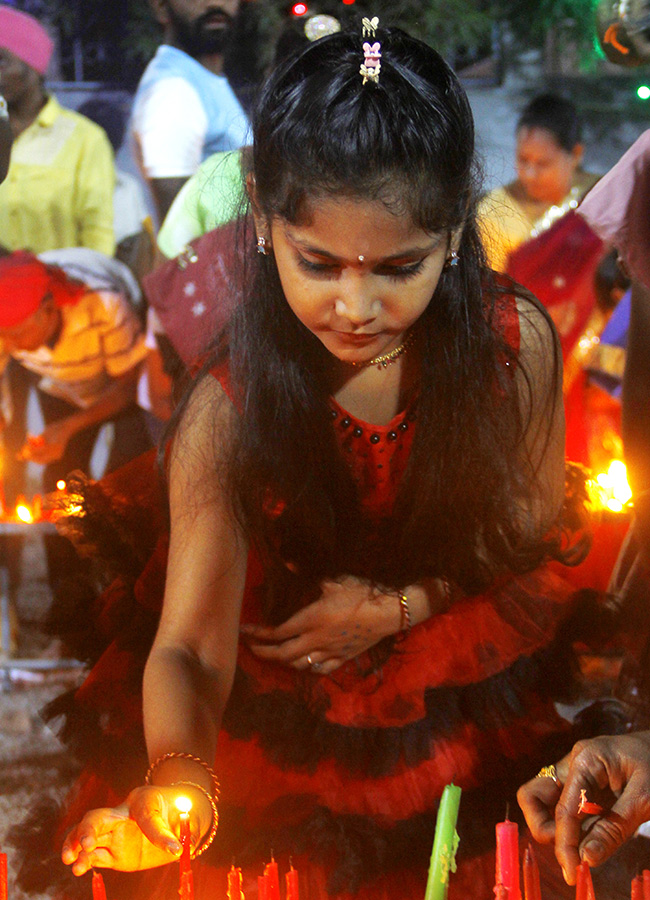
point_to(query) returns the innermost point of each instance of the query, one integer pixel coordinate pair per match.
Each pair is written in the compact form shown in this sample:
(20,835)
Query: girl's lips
(355,338)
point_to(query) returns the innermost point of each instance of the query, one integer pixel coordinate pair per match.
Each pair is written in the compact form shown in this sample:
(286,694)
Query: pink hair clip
(371,66)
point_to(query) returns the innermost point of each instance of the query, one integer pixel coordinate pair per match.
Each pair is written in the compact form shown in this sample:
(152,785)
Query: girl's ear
(455,238)
(261,225)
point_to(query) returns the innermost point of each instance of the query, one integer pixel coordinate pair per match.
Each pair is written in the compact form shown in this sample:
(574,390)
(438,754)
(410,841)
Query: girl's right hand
(141,834)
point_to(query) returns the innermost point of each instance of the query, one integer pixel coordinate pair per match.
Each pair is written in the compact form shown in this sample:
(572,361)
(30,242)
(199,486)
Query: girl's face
(356,275)
(544,169)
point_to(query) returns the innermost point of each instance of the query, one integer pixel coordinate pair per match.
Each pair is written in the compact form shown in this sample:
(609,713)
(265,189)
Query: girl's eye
(316,268)
(401,273)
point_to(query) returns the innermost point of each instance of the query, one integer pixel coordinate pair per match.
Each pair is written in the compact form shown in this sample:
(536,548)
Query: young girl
(363,489)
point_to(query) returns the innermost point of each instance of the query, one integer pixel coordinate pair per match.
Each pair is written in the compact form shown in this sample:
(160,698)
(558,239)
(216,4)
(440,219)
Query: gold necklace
(387,359)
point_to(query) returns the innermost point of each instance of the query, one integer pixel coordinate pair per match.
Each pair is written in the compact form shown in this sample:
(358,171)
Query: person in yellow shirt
(59,189)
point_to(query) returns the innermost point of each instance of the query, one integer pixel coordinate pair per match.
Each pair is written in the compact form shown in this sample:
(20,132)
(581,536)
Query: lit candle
(532,884)
(272,880)
(500,892)
(646,884)
(584,884)
(235,891)
(636,888)
(186,889)
(99,891)
(445,843)
(292,884)
(507,869)
(4,890)
(262,888)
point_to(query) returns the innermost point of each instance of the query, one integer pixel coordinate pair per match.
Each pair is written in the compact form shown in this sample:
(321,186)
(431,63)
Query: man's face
(201,27)
(16,77)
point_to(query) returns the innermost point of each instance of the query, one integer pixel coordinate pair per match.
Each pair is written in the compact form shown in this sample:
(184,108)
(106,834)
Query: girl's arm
(190,670)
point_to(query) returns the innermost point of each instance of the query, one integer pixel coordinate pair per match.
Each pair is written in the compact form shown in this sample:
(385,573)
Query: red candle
(262,887)
(272,881)
(99,891)
(185,843)
(584,884)
(507,870)
(292,884)
(636,888)
(532,884)
(235,891)
(646,884)
(186,889)
(4,890)
(500,892)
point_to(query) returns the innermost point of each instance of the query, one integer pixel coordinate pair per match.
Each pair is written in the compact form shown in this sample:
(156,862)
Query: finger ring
(315,666)
(549,772)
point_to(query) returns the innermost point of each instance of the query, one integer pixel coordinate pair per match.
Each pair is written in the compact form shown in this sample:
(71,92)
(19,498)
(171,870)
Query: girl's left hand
(347,619)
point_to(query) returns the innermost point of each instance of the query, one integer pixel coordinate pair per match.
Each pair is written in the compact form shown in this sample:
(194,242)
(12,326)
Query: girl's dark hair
(555,114)
(408,143)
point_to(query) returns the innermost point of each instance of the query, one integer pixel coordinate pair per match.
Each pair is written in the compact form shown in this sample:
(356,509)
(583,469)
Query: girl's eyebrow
(408,253)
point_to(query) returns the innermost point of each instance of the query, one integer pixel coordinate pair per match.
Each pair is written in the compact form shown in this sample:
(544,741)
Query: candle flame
(183,805)
(24,513)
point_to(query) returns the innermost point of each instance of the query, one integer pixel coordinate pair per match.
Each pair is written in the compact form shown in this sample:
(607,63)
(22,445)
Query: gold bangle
(189,756)
(197,851)
(405,614)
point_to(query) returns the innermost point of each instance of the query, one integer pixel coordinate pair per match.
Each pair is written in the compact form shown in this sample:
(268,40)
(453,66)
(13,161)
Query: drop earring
(261,245)
(452,260)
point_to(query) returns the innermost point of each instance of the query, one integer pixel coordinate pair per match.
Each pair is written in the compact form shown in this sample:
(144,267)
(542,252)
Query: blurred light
(299,9)
(643,92)
(348,2)
(60,485)
(24,513)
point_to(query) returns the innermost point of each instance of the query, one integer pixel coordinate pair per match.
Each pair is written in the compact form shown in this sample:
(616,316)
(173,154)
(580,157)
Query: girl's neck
(376,395)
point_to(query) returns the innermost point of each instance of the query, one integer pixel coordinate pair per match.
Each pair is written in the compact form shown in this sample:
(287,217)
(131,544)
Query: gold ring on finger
(549,772)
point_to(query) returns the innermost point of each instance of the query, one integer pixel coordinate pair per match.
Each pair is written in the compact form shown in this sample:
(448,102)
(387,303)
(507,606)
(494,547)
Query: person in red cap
(84,344)
(59,189)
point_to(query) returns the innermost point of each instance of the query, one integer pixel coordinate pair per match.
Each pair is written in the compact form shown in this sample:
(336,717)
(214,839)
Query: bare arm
(51,444)
(190,670)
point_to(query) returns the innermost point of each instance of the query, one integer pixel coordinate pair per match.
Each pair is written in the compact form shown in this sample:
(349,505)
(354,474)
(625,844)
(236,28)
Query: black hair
(555,114)
(109,115)
(407,142)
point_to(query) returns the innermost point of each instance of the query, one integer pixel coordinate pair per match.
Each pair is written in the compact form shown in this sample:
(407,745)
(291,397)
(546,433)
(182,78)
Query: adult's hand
(141,834)
(347,619)
(615,773)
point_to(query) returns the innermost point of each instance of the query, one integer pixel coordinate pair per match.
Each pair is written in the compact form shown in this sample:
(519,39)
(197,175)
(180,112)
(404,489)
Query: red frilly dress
(341,774)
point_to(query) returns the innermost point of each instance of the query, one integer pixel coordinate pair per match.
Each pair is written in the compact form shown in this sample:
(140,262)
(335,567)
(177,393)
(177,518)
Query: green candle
(445,844)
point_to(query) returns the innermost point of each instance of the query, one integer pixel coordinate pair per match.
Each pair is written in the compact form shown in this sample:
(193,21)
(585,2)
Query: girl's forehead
(347,228)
